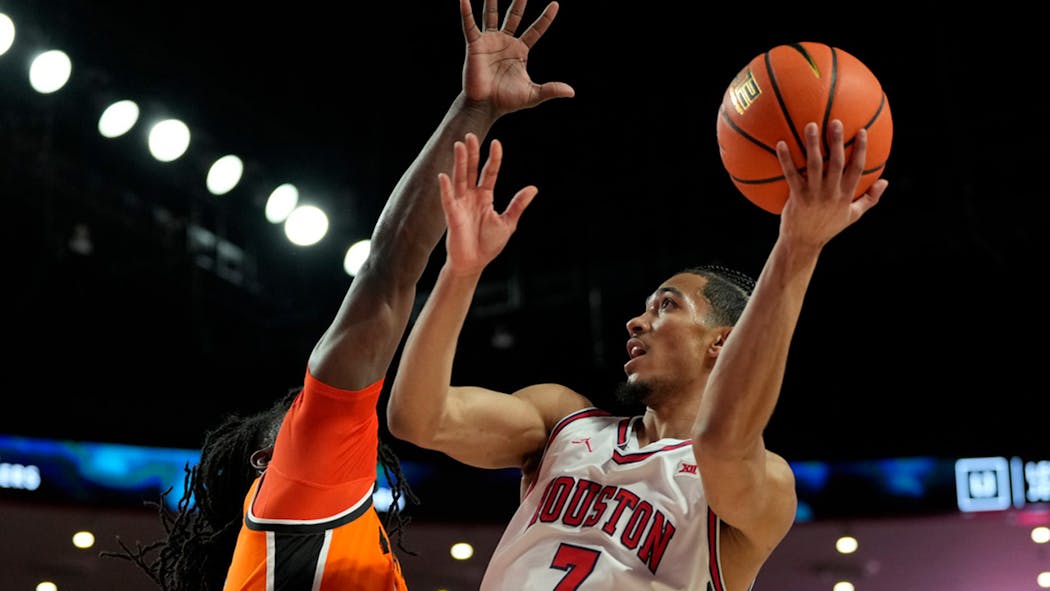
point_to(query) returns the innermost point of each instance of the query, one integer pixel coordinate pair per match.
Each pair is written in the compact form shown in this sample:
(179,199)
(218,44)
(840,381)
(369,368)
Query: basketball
(777,94)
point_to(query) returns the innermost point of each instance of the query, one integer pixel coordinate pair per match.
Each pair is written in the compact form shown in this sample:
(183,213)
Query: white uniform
(603,514)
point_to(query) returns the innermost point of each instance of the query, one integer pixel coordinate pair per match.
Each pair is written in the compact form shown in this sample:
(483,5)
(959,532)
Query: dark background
(922,333)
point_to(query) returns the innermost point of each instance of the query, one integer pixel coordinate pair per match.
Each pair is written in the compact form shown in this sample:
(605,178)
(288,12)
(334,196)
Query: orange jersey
(309,522)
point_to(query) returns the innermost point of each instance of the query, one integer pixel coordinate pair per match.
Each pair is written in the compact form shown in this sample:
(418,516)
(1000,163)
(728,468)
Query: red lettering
(577,510)
(591,500)
(600,506)
(625,499)
(636,525)
(554,498)
(660,534)
(543,499)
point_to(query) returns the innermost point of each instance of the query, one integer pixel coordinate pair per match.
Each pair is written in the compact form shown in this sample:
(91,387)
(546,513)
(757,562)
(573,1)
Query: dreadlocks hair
(396,521)
(201,533)
(727,290)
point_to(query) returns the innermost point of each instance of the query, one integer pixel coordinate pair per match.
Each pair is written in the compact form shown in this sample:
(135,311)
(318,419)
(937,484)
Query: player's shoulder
(549,392)
(780,471)
(554,401)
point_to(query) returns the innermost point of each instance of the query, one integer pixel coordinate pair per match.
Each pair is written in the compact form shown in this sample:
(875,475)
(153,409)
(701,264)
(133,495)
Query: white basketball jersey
(603,514)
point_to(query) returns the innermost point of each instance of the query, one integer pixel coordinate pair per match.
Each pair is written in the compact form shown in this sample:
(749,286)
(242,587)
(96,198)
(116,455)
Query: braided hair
(727,290)
(201,533)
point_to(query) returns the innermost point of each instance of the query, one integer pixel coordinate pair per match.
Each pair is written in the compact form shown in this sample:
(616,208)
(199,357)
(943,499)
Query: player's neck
(663,423)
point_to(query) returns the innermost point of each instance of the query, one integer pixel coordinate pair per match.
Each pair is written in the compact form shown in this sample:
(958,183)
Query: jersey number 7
(577,561)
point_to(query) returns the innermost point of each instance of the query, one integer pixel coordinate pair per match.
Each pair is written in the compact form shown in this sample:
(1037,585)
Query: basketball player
(303,471)
(685,496)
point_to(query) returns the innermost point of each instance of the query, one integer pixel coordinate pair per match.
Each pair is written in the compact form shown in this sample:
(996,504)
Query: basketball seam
(780,98)
(729,121)
(831,98)
(757,181)
(874,118)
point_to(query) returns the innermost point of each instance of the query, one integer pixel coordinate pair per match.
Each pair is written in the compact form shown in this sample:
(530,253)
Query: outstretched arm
(750,488)
(480,427)
(358,347)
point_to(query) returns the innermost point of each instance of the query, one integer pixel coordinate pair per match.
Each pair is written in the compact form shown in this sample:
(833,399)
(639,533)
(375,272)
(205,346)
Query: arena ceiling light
(169,140)
(224,174)
(7,33)
(118,118)
(355,256)
(50,71)
(306,225)
(281,202)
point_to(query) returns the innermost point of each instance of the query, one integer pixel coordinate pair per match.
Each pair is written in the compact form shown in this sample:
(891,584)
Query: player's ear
(719,341)
(261,458)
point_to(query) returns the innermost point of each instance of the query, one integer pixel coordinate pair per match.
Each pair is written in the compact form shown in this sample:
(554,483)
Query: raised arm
(750,488)
(358,347)
(479,427)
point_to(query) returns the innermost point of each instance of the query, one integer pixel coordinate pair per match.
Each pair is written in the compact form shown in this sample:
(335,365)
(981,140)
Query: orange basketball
(774,97)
